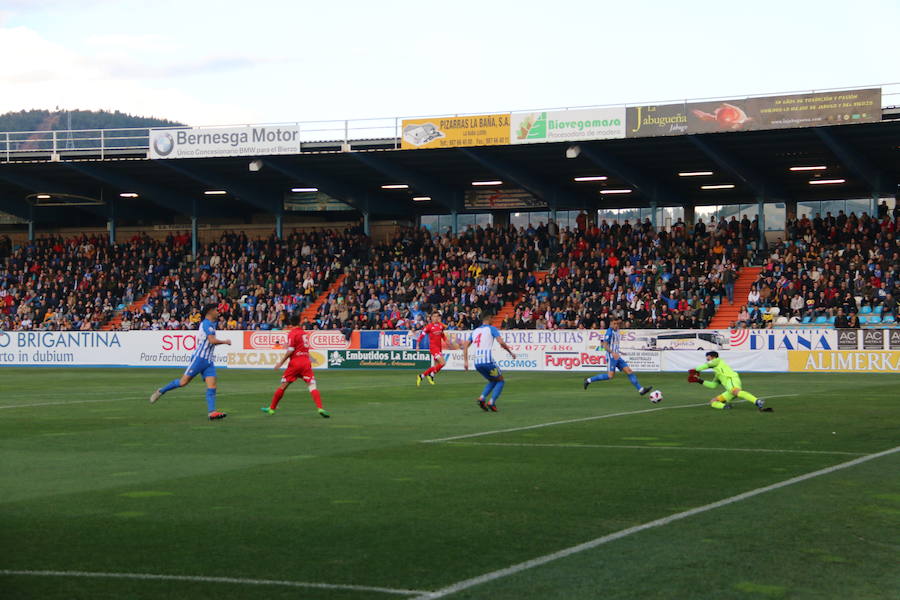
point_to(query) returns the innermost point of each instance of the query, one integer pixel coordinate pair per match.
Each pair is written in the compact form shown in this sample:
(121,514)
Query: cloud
(47,74)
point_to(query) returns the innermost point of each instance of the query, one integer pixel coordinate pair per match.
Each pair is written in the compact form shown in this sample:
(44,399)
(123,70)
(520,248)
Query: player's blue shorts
(489,371)
(615,363)
(201,366)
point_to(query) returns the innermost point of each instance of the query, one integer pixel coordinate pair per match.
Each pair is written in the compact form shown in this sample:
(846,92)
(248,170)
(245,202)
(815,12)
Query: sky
(223,62)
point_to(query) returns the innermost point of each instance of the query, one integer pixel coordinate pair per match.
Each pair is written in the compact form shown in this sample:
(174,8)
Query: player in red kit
(299,368)
(436,338)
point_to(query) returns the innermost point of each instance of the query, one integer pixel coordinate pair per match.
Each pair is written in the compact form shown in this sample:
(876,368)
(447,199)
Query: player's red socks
(276,398)
(433,370)
(317,398)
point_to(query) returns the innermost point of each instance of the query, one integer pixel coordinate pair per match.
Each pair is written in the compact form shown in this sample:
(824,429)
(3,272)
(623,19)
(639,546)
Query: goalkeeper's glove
(694,376)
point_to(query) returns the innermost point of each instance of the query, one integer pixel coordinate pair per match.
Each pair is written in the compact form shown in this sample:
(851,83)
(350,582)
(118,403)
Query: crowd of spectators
(78,283)
(648,278)
(415,272)
(836,268)
(840,269)
(254,282)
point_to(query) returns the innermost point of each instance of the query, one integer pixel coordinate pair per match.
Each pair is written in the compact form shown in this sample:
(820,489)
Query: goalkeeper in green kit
(727,378)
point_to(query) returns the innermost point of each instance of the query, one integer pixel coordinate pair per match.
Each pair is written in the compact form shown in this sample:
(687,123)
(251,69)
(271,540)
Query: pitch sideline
(204,579)
(542,560)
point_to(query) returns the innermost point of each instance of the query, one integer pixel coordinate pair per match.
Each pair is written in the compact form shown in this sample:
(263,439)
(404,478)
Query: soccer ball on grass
(656,396)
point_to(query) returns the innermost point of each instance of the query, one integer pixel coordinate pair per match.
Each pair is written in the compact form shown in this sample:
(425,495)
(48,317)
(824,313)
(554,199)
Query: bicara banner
(746,114)
(455,132)
(568,125)
(207,142)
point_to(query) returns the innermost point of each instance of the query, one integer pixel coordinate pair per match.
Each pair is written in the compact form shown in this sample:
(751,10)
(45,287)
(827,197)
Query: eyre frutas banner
(568,125)
(745,114)
(455,132)
(205,142)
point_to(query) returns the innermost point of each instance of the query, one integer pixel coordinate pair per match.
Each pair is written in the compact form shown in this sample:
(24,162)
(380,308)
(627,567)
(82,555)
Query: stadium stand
(837,269)
(828,270)
(78,283)
(649,278)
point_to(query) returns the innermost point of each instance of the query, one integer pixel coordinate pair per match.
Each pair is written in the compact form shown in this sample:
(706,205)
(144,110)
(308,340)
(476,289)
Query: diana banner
(207,142)
(455,132)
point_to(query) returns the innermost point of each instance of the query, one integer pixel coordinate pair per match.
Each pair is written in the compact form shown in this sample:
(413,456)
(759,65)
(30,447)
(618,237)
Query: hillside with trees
(45,120)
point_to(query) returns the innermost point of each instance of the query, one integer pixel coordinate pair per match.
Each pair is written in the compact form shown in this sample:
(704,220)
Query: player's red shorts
(436,353)
(299,369)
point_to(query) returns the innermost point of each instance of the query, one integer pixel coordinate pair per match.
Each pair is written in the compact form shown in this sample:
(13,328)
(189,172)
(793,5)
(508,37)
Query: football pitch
(413,492)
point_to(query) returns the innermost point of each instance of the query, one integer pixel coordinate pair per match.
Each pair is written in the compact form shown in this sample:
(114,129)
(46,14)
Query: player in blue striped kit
(483,339)
(202,362)
(611,342)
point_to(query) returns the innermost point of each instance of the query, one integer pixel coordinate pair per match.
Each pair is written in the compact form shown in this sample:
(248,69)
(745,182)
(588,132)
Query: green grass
(94,479)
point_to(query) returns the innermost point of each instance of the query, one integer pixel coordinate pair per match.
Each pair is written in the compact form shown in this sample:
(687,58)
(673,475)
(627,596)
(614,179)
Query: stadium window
(774,214)
(860,206)
(810,208)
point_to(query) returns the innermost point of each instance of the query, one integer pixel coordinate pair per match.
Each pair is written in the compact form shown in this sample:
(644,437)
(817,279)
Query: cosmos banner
(770,112)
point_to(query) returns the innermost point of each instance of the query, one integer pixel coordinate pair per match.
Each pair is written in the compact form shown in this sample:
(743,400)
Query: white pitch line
(580,420)
(69,402)
(552,423)
(542,560)
(635,447)
(204,579)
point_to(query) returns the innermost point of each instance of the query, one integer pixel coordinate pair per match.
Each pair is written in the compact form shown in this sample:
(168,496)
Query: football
(656,396)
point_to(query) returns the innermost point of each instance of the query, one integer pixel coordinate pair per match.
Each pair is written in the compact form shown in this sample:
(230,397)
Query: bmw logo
(163,144)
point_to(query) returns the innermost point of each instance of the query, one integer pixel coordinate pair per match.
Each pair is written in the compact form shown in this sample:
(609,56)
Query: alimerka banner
(455,132)
(205,142)
(746,114)
(844,361)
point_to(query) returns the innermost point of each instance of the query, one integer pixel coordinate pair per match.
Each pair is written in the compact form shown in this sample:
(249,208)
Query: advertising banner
(455,132)
(568,125)
(893,336)
(379,359)
(844,361)
(742,361)
(873,339)
(491,199)
(206,142)
(248,349)
(848,339)
(745,114)
(313,202)
(783,339)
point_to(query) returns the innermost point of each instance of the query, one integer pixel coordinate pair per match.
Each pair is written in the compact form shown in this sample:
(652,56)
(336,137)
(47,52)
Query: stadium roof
(756,163)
